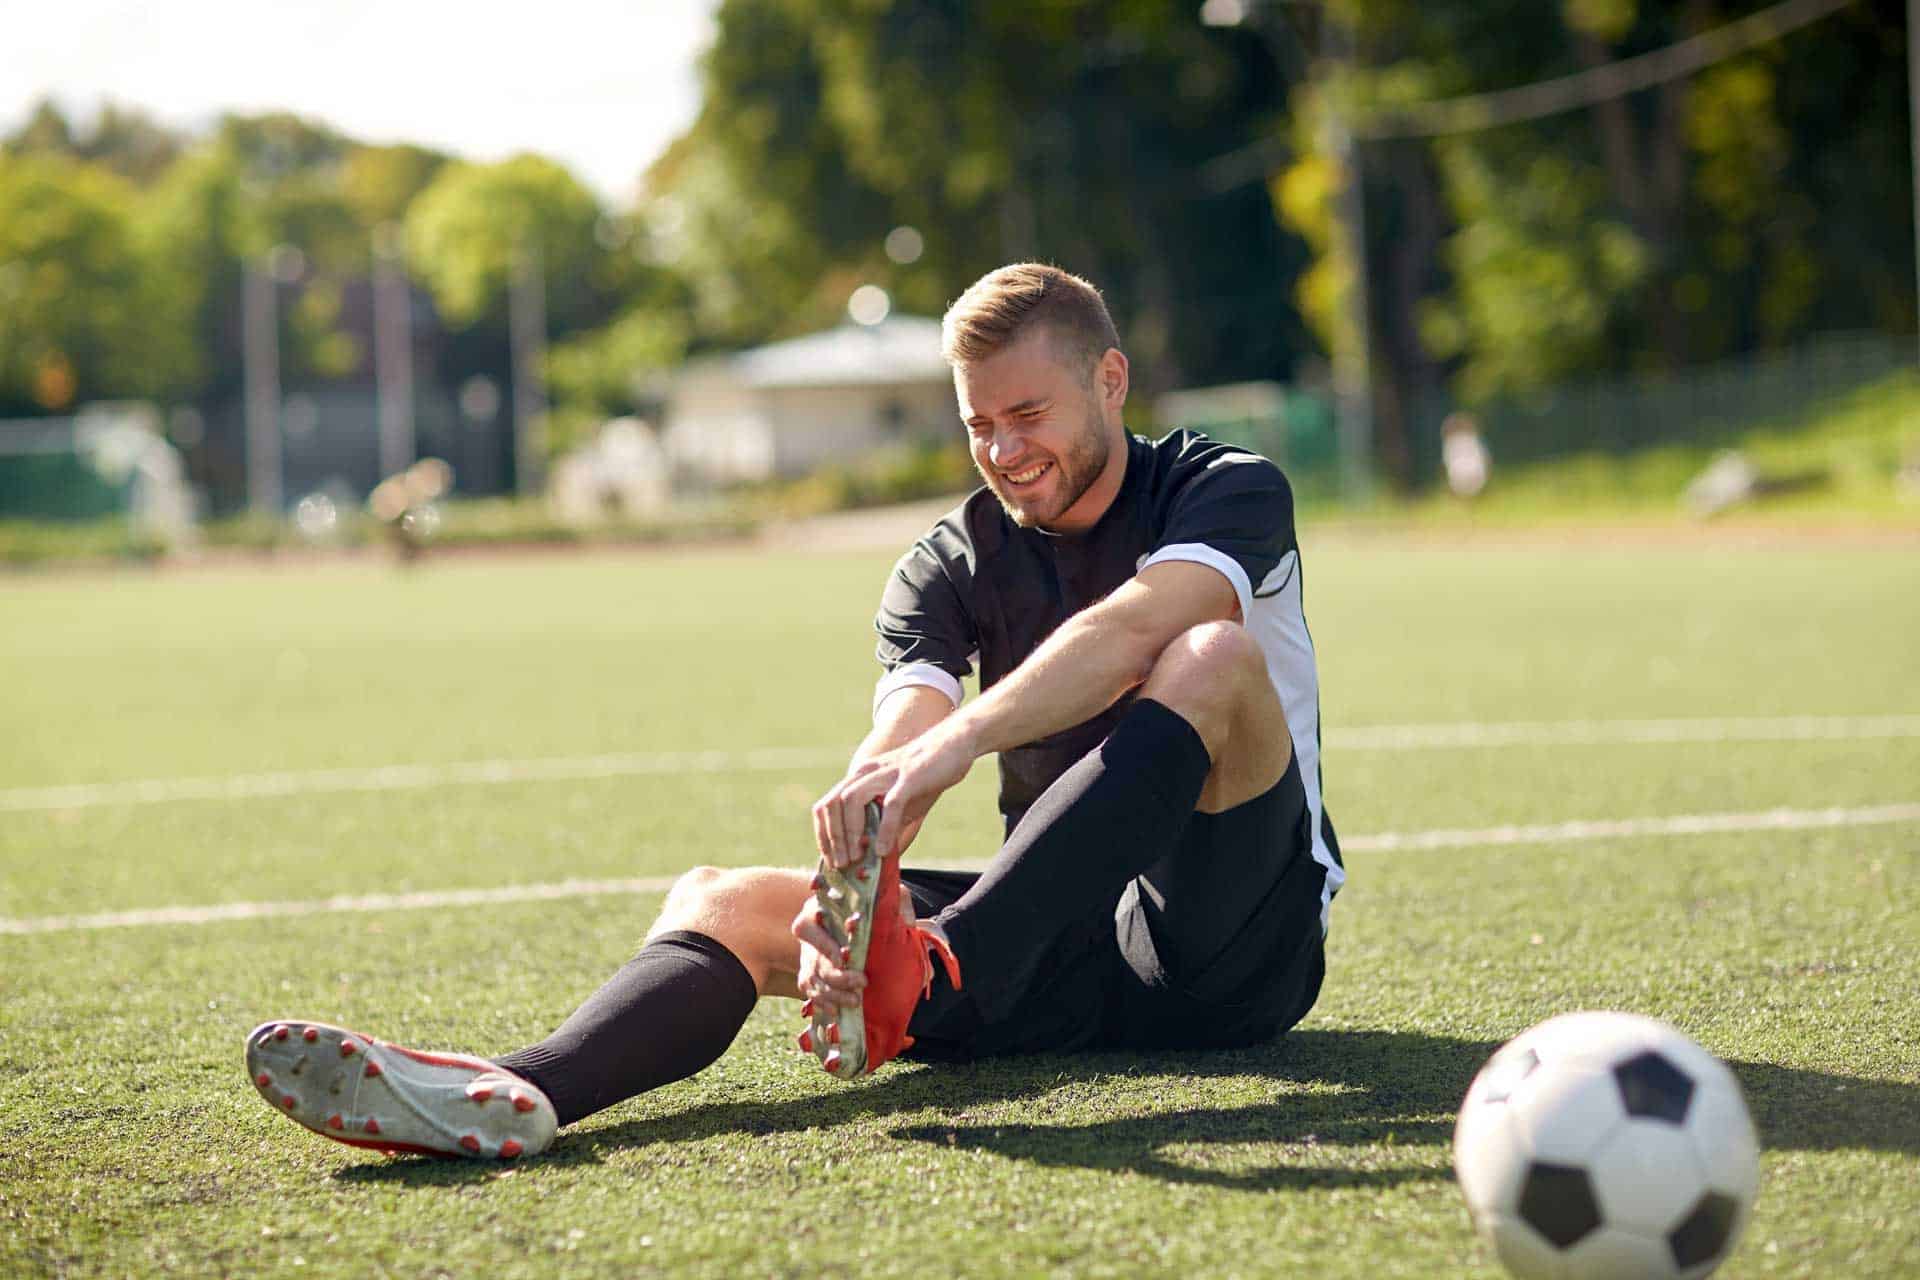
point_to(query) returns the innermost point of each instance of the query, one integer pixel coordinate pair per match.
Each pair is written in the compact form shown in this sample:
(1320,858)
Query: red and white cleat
(860,910)
(368,1093)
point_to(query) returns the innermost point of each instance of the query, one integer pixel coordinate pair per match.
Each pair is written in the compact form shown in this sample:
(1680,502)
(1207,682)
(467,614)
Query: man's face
(1042,437)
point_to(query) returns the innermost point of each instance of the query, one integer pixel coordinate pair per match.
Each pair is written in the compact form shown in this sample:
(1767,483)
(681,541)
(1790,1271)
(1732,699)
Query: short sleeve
(1232,511)
(926,633)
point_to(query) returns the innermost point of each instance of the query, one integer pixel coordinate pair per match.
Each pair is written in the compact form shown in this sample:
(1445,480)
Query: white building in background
(832,397)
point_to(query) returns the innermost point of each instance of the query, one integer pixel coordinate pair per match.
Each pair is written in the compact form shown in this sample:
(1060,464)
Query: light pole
(392,351)
(1913,127)
(527,336)
(260,373)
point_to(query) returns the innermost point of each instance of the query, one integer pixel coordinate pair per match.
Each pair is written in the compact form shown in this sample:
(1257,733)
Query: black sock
(1109,817)
(670,1011)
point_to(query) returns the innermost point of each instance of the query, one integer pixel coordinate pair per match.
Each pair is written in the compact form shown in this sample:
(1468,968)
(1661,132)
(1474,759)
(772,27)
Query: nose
(1005,450)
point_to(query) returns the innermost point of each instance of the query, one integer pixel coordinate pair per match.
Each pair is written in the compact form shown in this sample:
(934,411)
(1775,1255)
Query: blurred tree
(1000,130)
(466,229)
(379,182)
(125,140)
(82,313)
(1651,230)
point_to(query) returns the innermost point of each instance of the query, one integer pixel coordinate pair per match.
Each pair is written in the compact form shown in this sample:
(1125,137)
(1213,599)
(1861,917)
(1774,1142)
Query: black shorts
(1217,945)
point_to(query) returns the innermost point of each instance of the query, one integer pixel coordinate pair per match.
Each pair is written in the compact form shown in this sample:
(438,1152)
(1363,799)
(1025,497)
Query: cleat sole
(838,1036)
(447,1105)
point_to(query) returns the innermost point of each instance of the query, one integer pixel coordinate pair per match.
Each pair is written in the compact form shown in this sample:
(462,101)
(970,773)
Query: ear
(1110,380)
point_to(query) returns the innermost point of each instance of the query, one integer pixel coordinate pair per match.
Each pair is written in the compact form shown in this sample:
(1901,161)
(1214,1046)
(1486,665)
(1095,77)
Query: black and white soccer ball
(1601,1146)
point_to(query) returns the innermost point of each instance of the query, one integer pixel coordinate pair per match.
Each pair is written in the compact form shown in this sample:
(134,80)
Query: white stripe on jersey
(917,673)
(1272,614)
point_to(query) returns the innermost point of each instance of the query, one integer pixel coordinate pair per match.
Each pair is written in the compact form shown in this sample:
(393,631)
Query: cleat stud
(373,1069)
(510,1148)
(832,1061)
(280,1032)
(806,1041)
(373,1126)
(263,1079)
(818,882)
(806,1010)
(310,1034)
(846,955)
(335,1122)
(833,1033)
(820,917)
(348,1048)
(479,1092)
(470,1143)
(860,873)
(521,1102)
(286,1100)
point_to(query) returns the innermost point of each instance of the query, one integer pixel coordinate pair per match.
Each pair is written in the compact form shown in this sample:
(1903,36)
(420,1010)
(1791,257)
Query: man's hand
(906,781)
(821,977)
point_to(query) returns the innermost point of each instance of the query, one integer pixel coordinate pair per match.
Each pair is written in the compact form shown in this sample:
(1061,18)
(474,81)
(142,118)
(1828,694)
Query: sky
(600,85)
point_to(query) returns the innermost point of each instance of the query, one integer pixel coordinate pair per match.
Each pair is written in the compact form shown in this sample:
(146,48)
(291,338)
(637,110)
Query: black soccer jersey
(978,589)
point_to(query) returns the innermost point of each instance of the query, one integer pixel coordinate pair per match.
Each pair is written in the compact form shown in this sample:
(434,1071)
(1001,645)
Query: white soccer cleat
(368,1093)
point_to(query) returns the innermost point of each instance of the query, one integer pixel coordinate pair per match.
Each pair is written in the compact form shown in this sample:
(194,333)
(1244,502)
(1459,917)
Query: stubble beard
(1085,458)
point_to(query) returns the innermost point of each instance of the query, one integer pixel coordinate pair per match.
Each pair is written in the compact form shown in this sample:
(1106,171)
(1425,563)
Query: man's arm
(1091,660)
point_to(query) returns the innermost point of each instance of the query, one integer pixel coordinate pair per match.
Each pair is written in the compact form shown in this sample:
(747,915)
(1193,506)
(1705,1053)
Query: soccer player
(1133,608)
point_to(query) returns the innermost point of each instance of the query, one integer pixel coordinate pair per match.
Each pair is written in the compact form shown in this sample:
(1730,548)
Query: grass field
(131,1143)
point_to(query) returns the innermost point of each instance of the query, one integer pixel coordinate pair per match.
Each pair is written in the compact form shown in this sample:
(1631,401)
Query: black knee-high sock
(1109,817)
(668,1012)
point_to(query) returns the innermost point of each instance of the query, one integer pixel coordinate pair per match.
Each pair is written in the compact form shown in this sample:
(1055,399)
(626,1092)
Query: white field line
(1389,841)
(1695,824)
(1405,737)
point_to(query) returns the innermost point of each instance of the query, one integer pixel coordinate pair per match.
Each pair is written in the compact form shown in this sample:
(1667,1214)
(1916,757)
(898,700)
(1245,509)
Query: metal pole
(260,372)
(393,351)
(1913,129)
(527,336)
(1352,353)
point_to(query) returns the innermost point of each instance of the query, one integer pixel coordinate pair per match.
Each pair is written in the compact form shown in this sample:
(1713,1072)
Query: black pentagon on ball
(1653,1088)
(1702,1235)
(1558,1202)
(1508,1075)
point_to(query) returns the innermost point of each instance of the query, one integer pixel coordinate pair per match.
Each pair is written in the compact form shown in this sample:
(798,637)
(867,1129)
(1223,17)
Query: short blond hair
(1003,306)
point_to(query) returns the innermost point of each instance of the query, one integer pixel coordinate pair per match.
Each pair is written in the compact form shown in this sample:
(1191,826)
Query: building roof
(898,349)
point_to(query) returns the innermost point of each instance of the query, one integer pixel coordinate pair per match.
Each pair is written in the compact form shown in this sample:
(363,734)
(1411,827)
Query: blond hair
(1002,306)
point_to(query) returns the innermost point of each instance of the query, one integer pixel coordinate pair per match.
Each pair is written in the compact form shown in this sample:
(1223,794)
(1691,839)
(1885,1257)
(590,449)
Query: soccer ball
(1602,1146)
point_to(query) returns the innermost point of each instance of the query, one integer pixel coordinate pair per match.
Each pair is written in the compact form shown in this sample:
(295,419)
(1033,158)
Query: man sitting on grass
(1134,609)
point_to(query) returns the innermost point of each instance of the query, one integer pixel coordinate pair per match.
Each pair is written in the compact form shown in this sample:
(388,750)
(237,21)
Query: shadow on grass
(1352,1090)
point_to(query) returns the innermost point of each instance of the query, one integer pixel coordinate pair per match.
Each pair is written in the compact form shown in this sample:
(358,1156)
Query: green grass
(130,1143)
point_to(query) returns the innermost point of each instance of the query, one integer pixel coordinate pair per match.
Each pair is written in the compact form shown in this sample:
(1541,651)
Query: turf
(130,1143)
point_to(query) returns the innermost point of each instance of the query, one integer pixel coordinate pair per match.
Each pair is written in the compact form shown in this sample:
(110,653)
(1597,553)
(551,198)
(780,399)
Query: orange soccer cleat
(859,907)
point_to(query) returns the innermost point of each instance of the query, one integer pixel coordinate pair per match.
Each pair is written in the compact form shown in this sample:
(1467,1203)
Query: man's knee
(1215,677)
(709,899)
(1209,672)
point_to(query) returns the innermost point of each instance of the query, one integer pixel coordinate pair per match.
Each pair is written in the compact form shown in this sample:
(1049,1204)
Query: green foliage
(600,369)
(474,222)
(1539,272)
(82,309)
(1740,209)
(1000,131)
(124,140)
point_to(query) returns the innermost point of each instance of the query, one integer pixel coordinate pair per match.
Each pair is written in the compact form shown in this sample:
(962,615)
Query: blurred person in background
(1464,455)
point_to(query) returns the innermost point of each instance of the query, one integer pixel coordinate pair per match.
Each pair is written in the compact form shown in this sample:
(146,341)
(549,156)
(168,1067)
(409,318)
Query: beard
(1076,468)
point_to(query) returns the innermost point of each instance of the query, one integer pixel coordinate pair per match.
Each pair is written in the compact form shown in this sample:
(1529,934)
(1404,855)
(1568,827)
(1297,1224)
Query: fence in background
(1701,407)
